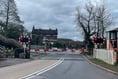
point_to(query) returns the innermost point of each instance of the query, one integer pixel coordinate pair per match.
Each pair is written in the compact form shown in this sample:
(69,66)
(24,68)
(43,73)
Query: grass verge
(104,64)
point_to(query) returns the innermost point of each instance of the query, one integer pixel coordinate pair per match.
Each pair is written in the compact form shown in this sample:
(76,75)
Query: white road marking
(43,70)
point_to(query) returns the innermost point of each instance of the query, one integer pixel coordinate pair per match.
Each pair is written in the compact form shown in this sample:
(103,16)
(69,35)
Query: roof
(44,31)
(64,39)
(116,29)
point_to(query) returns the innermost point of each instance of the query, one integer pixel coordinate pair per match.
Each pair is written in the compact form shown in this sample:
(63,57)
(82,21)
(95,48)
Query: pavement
(21,70)
(4,62)
(12,61)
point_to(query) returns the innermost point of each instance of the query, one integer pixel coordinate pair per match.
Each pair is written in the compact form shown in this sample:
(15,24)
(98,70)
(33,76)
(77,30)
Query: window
(107,35)
(117,34)
(113,35)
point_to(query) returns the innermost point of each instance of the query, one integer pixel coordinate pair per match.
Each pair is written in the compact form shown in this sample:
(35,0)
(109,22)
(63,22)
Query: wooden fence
(107,56)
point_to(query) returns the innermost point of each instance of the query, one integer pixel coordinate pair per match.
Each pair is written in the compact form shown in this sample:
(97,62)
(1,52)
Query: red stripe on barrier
(46,50)
(37,50)
(28,50)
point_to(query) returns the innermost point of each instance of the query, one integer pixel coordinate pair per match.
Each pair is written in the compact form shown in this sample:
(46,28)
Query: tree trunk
(7,18)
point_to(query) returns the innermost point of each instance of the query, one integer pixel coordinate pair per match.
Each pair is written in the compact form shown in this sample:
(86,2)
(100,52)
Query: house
(112,42)
(112,39)
(40,36)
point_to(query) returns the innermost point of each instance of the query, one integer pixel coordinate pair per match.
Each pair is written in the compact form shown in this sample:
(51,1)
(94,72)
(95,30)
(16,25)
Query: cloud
(55,14)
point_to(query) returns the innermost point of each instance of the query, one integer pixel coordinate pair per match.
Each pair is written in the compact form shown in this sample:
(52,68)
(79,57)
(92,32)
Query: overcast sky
(58,14)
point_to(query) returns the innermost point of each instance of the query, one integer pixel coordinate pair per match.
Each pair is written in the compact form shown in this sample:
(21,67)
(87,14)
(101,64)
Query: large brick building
(38,35)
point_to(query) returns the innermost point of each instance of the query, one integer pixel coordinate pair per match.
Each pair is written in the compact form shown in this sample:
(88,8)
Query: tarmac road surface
(74,66)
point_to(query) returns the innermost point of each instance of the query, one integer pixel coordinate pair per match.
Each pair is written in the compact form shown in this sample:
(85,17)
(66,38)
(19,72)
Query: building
(41,36)
(112,39)
(112,42)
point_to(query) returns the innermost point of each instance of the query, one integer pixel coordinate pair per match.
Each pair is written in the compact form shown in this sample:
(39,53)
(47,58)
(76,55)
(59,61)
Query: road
(74,66)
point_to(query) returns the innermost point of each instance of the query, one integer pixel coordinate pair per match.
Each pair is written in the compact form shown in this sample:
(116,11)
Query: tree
(59,45)
(14,32)
(93,20)
(9,12)
(11,25)
(104,19)
(86,21)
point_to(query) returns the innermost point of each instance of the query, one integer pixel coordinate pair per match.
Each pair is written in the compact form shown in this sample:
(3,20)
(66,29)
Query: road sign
(24,46)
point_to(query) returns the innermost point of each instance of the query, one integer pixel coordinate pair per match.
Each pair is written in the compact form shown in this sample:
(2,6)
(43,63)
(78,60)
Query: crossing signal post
(98,41)
(25,41)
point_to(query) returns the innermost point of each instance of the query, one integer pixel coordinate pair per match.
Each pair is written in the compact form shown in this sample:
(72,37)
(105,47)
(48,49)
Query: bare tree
(10,13)
(104,20)
(9,19)
(86,21)
(1,23)
(93,20)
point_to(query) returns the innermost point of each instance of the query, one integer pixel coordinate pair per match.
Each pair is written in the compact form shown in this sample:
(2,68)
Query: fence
(105,55)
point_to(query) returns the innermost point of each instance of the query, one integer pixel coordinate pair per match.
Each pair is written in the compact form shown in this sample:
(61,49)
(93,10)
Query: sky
(58,14)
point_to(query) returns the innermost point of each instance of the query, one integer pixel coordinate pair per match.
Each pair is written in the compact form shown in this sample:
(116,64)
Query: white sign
(24,46)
